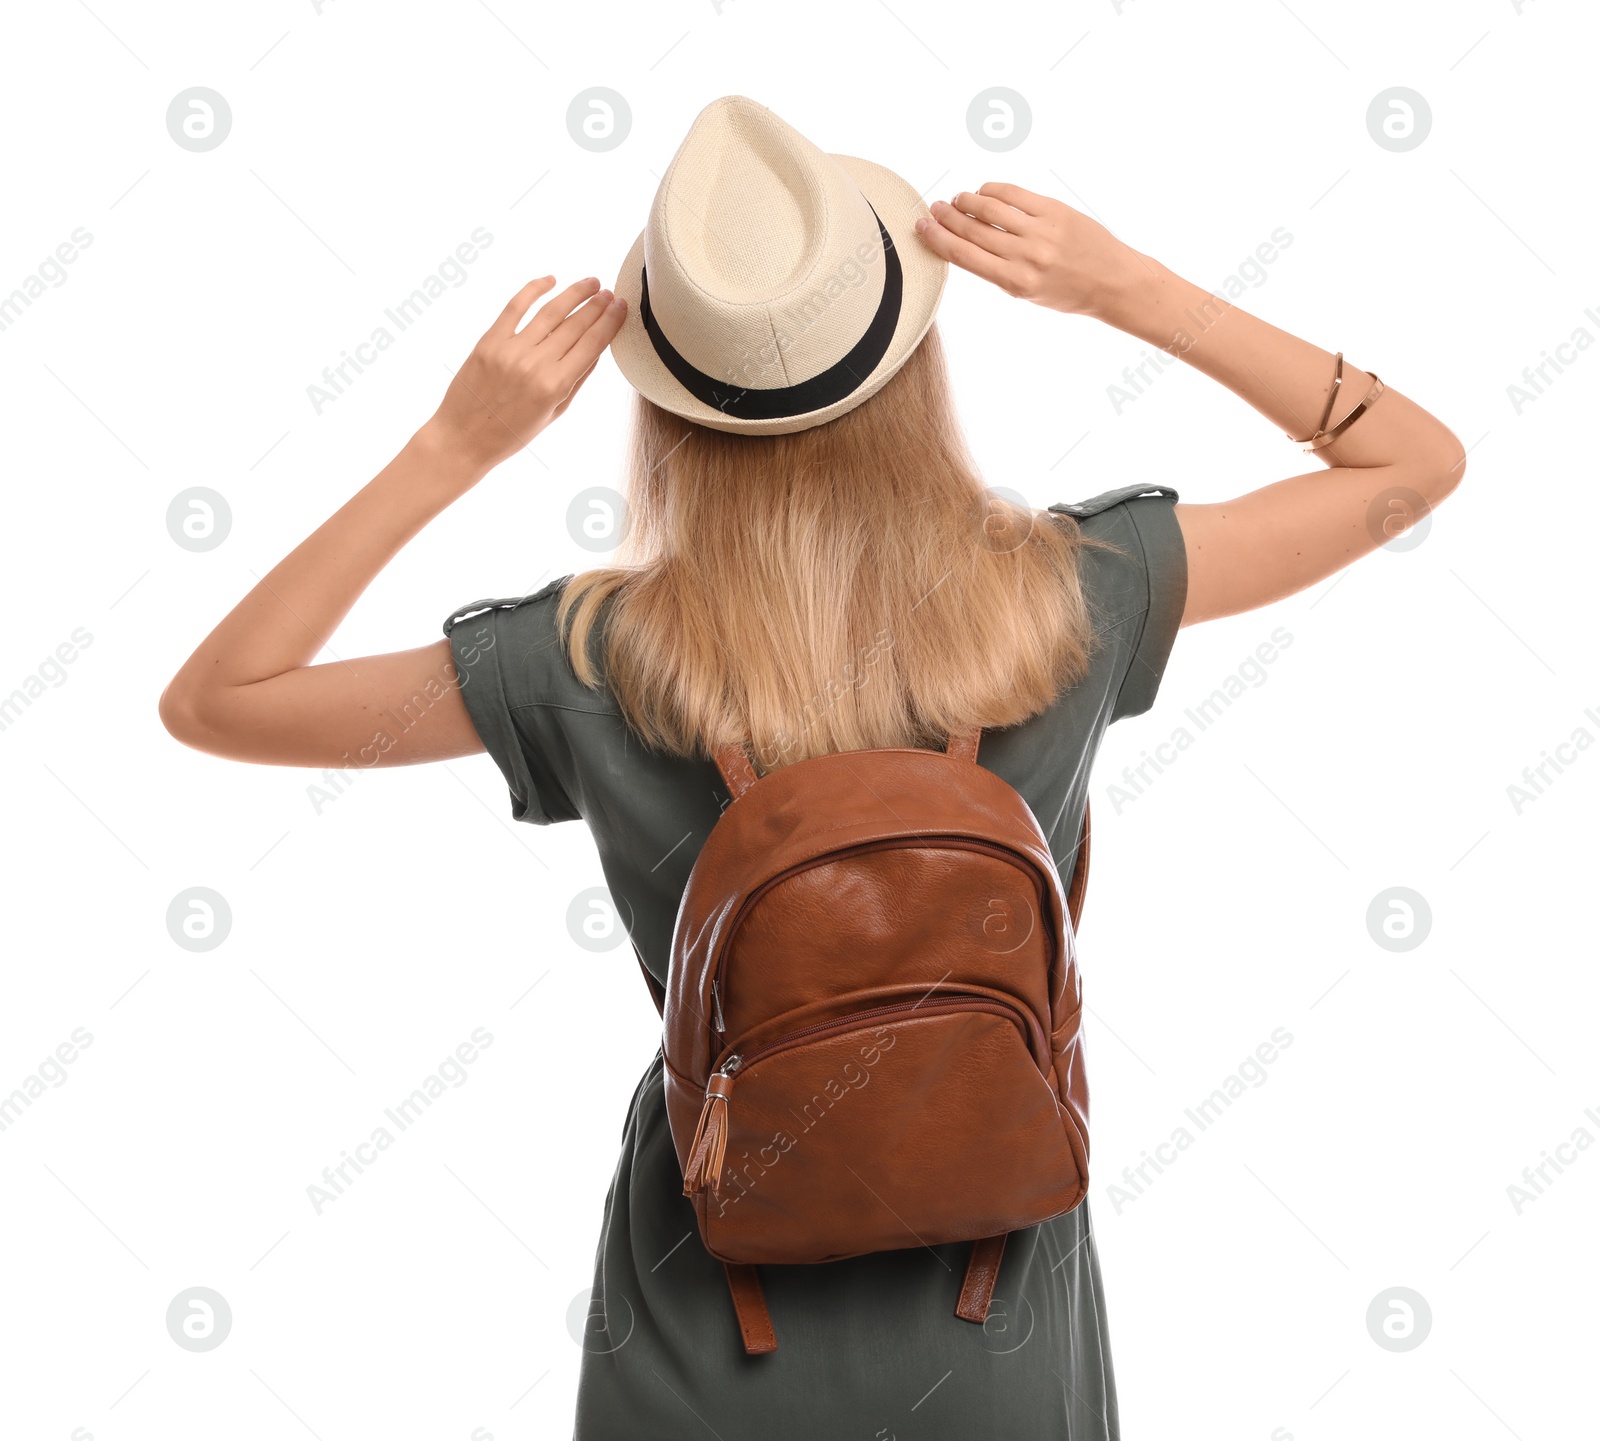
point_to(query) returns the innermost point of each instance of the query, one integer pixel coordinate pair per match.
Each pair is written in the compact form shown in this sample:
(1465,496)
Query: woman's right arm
(251,690)
(1395,463)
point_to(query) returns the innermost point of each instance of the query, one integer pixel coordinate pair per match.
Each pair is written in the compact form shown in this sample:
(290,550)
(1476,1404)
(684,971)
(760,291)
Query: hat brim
(898,207)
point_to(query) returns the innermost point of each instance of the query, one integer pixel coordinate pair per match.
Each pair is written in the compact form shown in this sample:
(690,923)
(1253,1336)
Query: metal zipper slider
(729,1066)
(716,1009)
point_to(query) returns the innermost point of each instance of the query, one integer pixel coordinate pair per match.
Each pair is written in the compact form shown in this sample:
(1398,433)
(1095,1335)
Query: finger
(520,302)
(575,326)
(588,347)
(566,400)
(963,252)
(978,232)
(555,310)
(992,212)
(1024,200)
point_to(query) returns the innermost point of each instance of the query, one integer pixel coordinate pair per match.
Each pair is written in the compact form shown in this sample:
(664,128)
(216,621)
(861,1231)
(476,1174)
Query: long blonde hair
(848,586)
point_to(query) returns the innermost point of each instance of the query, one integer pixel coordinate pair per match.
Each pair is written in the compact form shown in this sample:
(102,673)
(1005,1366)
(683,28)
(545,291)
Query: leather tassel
(719,1147)
(710,1145)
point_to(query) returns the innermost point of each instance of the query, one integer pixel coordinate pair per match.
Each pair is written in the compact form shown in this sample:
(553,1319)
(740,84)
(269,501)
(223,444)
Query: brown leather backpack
(871,1020)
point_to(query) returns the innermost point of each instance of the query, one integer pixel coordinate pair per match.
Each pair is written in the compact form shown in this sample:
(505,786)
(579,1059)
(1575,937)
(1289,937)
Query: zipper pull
(716,1009)
(710,1144)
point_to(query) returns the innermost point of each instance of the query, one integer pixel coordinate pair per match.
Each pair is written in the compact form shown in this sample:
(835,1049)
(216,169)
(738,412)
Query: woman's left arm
(1394,464)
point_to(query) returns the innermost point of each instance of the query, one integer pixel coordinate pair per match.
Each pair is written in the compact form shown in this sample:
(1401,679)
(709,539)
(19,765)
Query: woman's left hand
(1032,247)
(516,382)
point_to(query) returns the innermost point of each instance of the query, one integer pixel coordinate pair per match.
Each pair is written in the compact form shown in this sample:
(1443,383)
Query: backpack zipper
(719,971)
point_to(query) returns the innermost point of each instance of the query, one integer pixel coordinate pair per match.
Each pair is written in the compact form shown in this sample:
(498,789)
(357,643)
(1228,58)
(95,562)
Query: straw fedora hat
(774,287)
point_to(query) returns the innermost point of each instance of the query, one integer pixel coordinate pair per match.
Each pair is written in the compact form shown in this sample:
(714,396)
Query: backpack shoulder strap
(658,992)
(750,1307)
(738,770)
(983,1269)
(1080,871)
(964,746)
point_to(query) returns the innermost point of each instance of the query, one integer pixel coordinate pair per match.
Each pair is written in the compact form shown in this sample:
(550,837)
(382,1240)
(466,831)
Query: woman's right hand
(516,382)
(1031,246)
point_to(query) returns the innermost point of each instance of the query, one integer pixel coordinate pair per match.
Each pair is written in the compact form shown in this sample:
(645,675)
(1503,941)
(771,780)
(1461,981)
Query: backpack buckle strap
(750,1306)
(983,1270)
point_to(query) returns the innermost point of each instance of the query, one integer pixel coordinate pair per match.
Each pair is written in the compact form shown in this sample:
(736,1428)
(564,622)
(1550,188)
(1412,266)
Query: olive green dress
(867,1347)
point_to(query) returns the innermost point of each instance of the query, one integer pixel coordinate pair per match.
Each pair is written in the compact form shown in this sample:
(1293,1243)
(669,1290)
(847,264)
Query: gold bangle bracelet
(1327,410)
(1325,438)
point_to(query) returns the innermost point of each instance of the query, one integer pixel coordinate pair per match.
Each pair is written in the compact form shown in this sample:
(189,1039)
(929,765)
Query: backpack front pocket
(912,1123)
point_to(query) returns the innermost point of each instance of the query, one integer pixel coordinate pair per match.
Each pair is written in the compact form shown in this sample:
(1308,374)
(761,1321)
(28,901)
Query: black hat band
(834,384)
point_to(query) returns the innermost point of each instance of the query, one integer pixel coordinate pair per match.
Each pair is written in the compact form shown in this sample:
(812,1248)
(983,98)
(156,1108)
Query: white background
(371,936)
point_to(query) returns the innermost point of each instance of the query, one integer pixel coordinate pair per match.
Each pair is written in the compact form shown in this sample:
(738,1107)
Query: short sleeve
(1150,587)
(503,650)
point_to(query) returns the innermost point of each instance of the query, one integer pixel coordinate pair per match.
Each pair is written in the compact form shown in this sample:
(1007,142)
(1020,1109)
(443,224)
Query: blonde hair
(849,586)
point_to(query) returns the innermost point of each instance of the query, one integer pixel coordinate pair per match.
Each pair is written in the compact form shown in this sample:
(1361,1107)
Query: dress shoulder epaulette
(509,603)
(1082,509)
